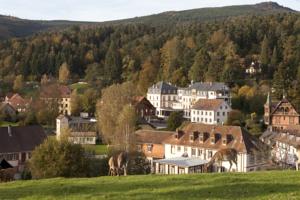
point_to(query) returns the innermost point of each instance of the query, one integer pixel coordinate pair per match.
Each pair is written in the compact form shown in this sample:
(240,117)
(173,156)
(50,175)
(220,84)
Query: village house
(280,115)
(210,111)
(17,102)
(81,130)
(187,97)
(7,112)
(189,149)
(150,142)
(17,143)
(167,98)
(254,68)
(285,144)
(61,94)
(144,109)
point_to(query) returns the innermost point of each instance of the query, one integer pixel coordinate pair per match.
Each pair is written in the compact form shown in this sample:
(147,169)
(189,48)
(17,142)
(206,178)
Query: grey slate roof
(162,88)
(209,86)
(183,161)
(21,138)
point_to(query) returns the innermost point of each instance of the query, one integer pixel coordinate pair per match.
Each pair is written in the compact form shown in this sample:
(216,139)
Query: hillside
(258,185)
(16,27)
(208,14)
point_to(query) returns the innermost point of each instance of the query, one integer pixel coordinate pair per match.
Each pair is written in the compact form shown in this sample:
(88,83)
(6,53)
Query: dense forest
(176,50)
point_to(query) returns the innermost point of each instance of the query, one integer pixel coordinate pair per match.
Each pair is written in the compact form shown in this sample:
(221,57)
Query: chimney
(9,130)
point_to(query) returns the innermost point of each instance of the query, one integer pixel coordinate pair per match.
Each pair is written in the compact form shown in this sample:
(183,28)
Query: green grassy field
(99,149)
(258,185)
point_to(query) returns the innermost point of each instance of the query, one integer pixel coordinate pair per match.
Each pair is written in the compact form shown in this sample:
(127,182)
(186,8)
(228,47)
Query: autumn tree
(109,107)
(18,83)
(76,106)
(64,73)
(126,124)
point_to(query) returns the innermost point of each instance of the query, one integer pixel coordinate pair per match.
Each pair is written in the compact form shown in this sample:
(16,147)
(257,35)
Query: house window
(172,149)
(149,147)
(218,113)
(223,113)
(185,149)
(193,152)
(178,148)
(209,154)
(200,152)
(139,148)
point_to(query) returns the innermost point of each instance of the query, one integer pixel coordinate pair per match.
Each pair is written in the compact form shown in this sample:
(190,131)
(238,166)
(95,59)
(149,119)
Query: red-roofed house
(17,102)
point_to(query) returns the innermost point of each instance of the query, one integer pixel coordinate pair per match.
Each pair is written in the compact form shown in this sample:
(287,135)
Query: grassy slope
(262,185)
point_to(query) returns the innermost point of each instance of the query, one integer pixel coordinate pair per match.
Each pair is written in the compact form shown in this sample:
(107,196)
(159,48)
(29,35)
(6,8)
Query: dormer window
(203,137)
(191,137)
(149,147)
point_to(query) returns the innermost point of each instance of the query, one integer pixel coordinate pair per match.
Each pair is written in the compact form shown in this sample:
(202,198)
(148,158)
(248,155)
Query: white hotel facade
(167,98)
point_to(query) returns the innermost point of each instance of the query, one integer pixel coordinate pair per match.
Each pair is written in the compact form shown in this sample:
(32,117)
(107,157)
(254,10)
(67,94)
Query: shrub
(58,159)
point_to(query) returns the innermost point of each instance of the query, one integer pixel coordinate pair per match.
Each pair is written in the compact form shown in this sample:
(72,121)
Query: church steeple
(267,108)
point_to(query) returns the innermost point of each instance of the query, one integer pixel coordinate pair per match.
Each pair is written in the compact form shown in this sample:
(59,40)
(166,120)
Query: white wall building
(163,96)
(167,98)
(82,130)
(285,143)
(199,142)
(210,111)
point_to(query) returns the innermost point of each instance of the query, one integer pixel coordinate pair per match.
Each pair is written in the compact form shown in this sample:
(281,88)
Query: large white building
(210,111)
(189,149)
(162,96)
(167,98)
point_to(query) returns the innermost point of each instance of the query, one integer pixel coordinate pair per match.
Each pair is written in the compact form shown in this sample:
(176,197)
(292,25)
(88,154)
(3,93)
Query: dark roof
(208,104)
(4,164)
(208,86)
(162,88)
(22,138)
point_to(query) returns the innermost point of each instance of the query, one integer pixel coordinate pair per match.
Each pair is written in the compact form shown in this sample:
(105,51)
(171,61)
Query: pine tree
(113,64)
(198,69)
(265,52)
(279,82)
(296,101)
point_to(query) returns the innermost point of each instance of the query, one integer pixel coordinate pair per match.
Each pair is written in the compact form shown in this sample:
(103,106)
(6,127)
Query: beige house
(59,93)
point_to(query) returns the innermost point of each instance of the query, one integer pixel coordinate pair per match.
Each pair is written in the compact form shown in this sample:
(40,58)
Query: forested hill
(207,14)
(16,27)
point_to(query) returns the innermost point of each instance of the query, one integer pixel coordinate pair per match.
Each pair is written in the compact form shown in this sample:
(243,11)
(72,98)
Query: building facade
(210,111)
(17,143)
(143,107)
(167,98)
(60,94)
(162,96)
(81,130)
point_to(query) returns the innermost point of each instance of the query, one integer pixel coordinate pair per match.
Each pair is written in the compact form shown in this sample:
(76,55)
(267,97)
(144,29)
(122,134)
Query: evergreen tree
(265,54)
(199,68)
(279,82)
(113,64)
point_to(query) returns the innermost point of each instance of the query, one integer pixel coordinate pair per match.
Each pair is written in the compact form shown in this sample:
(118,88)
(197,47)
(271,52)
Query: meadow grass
(256,185)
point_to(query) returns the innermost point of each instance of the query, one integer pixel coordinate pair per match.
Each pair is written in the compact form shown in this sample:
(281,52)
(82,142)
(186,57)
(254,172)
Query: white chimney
(9,130)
